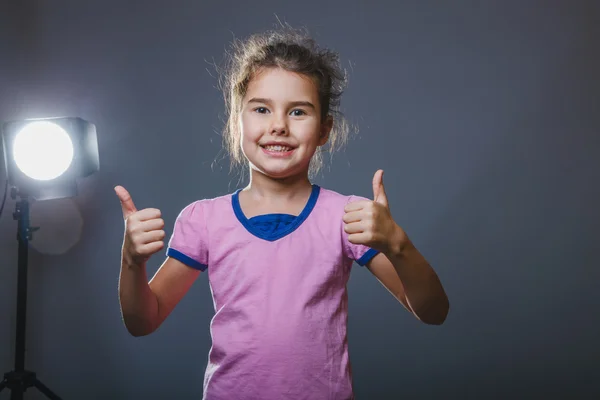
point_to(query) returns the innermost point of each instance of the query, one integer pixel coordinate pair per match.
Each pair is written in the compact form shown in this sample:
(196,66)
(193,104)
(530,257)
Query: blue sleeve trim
(190,262)
(367,257)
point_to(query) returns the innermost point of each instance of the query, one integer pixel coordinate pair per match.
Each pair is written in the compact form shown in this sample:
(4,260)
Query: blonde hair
(294,51)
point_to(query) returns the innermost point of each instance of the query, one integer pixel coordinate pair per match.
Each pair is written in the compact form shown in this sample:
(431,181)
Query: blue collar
(292,226)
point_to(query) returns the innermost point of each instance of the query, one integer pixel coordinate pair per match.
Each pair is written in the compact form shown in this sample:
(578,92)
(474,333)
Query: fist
(144,234)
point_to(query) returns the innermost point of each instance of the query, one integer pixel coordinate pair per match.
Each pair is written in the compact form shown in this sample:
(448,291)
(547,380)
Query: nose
(278,125)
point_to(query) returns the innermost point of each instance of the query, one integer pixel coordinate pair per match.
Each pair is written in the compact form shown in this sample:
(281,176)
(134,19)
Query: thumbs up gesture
(144,234)
(370,223)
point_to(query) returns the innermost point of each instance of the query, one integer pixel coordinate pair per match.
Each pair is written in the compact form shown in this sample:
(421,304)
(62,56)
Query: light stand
(43,158)
(19,379)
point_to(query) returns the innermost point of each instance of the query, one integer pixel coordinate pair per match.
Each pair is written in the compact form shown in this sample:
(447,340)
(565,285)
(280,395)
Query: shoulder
(200,208)
(332,197)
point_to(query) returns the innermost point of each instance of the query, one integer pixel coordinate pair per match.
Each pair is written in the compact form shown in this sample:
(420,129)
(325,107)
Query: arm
(410,278)
(383,270)
(399,266)
(139,306)
(145,306)
(170,283)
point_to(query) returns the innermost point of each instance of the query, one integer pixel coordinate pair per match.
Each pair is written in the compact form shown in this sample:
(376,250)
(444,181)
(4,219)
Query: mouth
(277,150)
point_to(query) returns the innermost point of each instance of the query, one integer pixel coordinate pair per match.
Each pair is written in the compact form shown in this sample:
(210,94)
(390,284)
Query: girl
(279,329)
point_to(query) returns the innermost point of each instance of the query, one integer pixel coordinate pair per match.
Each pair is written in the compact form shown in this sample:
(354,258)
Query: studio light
(45,157)
(43,160)
(43,150)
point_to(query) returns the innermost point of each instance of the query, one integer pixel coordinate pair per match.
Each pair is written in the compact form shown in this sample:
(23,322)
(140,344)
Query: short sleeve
(357,252)
(189,241)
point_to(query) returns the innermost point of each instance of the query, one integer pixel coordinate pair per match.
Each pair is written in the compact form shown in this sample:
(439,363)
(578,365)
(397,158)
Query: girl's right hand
(144,234)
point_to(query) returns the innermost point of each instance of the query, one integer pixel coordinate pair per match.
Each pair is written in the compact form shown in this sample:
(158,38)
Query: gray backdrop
(482,114)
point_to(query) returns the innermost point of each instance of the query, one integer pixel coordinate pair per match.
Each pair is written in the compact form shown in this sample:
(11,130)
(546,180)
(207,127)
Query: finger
(127,205)
(356,205)
(376,184)
(148,214)
(357,238)
(151,225)
(354,227)
(353,216)
(150,237)
(378,190)
(152,247)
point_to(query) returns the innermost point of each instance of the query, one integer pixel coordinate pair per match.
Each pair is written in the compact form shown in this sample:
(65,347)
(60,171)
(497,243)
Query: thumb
(126,202)
(378,191)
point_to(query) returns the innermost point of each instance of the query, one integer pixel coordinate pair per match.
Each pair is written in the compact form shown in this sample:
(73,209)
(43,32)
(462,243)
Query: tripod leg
(45,390)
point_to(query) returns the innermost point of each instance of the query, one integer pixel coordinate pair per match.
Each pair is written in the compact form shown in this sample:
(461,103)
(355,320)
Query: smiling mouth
(278,149)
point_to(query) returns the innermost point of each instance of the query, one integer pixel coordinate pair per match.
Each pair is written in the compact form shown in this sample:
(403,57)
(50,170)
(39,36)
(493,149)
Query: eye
(260,110)
(298,113)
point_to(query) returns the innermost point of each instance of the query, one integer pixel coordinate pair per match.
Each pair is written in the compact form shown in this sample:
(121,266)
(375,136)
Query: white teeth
(277,148)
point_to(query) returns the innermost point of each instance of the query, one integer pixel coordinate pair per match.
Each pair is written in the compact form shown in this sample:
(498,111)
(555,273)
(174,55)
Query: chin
(274,168)
(276,173)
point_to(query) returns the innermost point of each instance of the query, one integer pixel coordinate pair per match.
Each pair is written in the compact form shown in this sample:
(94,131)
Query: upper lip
(277,144)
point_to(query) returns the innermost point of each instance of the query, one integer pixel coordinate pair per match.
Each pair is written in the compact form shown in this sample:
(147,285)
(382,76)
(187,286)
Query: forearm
(139,305)
(422,287)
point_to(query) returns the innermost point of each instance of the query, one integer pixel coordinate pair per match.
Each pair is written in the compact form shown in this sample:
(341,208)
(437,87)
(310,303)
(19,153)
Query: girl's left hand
(370,223)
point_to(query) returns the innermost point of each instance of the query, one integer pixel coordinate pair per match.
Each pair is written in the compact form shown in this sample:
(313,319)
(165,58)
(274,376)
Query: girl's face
(280,123)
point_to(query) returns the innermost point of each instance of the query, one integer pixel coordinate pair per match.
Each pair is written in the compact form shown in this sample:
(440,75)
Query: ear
(326,130)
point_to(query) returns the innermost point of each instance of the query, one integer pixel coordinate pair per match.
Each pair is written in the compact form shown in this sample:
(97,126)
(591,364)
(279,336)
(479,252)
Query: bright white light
(43,150)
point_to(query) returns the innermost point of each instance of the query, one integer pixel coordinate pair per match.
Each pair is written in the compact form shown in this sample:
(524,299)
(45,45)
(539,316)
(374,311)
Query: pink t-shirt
(279,291)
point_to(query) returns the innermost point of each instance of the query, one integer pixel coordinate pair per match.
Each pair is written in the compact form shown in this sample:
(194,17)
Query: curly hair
(295,51)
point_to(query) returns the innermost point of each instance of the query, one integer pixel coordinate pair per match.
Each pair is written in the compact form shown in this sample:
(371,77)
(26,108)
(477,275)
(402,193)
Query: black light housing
(85,158)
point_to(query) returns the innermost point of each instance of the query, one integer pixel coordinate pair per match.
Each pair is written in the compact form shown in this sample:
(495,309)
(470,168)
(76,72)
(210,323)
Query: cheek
(308,132)
(250,129)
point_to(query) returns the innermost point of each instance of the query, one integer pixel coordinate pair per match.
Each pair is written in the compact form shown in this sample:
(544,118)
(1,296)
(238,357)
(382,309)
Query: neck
(290,187)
